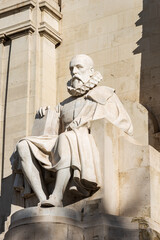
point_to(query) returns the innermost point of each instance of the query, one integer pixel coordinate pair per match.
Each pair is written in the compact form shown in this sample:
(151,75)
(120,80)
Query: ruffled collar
(93,81)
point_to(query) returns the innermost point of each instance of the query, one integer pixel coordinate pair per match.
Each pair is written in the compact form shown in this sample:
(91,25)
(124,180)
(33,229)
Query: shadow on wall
(149,47)
(6,184)
(5,200)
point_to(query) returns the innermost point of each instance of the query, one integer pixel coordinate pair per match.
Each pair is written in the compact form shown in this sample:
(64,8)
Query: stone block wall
(29,32)
(107,32)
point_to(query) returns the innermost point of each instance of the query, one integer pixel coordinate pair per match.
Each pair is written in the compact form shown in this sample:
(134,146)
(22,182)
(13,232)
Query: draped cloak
(72,144)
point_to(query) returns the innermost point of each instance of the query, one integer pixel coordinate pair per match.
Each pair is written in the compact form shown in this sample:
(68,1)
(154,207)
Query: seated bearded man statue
(71,152)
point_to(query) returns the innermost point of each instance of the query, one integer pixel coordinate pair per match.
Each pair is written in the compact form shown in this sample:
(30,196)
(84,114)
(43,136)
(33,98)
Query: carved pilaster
(50,22)
(29,32)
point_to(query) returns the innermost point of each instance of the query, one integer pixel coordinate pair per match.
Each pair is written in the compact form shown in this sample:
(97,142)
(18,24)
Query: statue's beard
(77,82)
(92,82)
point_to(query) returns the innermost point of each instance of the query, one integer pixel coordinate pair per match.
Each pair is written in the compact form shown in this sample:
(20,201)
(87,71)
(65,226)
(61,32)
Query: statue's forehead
(78,60)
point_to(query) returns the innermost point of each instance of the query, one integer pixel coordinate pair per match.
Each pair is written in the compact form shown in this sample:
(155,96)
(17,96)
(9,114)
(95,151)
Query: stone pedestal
(44,223)
(83,221)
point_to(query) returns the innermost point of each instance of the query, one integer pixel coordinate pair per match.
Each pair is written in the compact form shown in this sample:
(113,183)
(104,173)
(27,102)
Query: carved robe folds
(72,144)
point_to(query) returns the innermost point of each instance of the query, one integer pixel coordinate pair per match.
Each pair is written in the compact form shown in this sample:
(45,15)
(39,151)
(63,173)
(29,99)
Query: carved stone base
(71,223)
(44,223)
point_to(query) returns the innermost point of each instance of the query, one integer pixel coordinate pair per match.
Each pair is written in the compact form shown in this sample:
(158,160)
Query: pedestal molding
(69,216)
(38,215)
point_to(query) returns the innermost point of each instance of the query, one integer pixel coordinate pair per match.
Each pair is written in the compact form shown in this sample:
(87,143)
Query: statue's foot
(53,201)
(79,191)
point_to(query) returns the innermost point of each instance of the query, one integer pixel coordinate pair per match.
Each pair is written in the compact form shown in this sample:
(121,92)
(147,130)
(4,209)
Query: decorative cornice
(17,31)
(50,33)
(16,8)
(45,6)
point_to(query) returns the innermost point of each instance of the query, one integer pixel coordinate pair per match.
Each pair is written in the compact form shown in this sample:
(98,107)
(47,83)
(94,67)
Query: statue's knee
(62,134)
(62,137)
(21,146)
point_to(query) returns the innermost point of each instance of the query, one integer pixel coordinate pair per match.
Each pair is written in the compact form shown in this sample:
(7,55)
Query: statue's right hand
(42,111)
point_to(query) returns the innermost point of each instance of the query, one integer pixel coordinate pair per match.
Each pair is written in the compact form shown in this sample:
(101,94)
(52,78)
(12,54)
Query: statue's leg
(62,151)
(62,179)
(31,170)
(55,199)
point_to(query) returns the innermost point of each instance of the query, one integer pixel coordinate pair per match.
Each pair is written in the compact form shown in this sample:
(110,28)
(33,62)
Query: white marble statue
(71,151)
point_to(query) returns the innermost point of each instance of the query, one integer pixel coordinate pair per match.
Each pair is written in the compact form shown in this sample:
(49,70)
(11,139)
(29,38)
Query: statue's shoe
(52,202)
(79,191)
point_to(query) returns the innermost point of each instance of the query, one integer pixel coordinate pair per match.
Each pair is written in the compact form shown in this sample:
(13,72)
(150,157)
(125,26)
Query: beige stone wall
(118,35)
(4,50)
(29,30)
(106,31)
(31,81)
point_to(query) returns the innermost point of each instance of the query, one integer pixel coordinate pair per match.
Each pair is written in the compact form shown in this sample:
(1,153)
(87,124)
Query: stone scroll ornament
(69,151)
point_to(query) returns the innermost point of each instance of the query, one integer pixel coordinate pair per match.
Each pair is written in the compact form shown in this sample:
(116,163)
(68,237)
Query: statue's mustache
(76,76)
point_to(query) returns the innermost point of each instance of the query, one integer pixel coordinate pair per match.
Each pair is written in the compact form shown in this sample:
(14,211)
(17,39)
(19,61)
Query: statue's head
(84,78)
(81,68)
